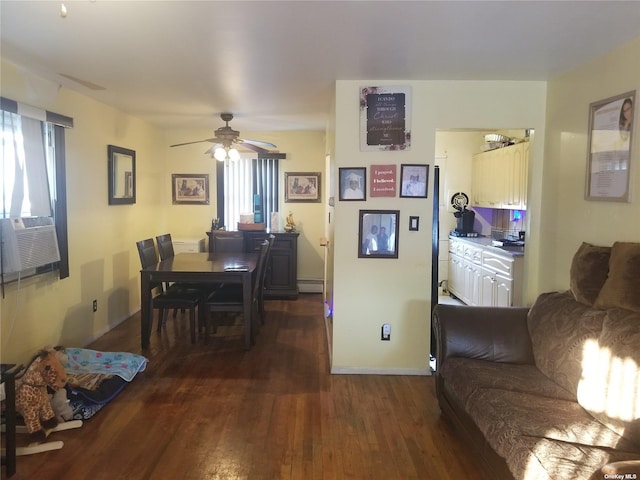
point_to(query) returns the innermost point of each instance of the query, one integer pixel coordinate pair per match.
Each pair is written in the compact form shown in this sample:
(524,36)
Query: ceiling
(179,64)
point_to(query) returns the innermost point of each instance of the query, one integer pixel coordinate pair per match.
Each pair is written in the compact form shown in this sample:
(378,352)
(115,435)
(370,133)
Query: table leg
(146,310)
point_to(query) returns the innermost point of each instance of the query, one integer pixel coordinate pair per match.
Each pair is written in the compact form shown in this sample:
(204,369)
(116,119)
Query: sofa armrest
(627,469)
(484,333)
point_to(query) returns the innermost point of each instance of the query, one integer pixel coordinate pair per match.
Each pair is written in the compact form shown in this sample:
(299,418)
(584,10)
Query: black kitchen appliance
(464,218)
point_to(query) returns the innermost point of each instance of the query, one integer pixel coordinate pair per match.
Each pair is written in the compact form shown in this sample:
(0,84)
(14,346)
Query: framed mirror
(122,175)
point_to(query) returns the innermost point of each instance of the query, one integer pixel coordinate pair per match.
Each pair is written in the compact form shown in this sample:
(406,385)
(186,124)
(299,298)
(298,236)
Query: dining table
(199,268)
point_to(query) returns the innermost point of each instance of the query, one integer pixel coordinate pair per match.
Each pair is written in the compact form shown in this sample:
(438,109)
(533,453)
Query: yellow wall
(104,262)
(370,292)
(366,293)
(568,219)
(305,153)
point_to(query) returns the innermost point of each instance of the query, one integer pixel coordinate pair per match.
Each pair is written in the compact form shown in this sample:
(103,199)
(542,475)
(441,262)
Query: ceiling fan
(225,140)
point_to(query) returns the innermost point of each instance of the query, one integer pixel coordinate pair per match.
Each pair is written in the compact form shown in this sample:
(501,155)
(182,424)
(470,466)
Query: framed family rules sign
(385,118)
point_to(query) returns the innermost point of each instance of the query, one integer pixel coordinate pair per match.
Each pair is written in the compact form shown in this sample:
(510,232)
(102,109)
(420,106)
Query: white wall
(569,219)
(370,292)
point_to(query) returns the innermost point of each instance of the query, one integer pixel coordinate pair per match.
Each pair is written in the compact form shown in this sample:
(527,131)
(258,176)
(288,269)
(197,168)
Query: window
(248,185)
(26,167)
(33,168)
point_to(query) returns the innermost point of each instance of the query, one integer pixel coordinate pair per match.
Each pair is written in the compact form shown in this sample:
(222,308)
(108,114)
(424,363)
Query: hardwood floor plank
(215,411)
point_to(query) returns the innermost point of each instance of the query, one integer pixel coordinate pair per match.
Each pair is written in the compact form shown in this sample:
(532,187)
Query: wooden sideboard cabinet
(282,270)
(281,280)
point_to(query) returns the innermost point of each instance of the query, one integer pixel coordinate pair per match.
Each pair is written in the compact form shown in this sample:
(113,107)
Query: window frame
(54,137)
(260,184)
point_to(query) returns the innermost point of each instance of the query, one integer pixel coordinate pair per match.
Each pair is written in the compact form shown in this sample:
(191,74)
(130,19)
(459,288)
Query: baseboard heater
(310,285)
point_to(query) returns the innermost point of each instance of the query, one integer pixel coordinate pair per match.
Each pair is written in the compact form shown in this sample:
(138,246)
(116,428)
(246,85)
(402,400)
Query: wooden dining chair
(165,249)
(267,265)
(170,297)
(226,241)
(165,246)
(229,298)
(261,287)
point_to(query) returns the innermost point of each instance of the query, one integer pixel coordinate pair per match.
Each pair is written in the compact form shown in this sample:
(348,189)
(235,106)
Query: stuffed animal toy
(61,406)
(32,402)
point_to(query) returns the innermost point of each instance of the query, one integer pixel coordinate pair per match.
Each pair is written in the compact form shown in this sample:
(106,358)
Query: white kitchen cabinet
(465,271)
(499,178)
(456,269)
(483,275)
(456,276)
(497,289)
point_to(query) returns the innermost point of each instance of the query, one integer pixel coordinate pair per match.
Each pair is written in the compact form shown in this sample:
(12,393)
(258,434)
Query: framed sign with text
(383,181)
(385,118)
(610,145)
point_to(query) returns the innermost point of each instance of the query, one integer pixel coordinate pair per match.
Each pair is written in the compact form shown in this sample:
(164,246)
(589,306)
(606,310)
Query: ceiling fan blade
(255,148)
(240,146)
(212,140)
(257,143)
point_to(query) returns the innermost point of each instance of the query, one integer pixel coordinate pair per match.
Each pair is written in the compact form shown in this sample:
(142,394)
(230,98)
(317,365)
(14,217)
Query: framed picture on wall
(609,148)
(302,186)
(378,233)
(385,118)
(353,183)
(190,189)
(414,180)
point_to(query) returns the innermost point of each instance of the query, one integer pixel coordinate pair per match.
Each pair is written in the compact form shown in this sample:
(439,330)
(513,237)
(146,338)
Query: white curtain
(238,191)
(25,186)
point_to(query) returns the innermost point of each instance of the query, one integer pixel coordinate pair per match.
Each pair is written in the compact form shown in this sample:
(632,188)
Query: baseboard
(310,285)
(380,371)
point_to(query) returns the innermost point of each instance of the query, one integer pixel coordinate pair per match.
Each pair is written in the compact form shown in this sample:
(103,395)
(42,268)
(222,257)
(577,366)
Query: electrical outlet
(95,305)
(385,333)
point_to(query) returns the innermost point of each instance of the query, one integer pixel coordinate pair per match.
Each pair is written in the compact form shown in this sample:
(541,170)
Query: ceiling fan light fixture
(225,153)
(233,154)
(220,154)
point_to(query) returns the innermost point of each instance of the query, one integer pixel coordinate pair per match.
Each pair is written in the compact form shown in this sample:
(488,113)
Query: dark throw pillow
(622,288)
(588,272)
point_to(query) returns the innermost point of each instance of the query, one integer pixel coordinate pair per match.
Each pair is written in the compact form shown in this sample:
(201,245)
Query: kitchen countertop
(486,242)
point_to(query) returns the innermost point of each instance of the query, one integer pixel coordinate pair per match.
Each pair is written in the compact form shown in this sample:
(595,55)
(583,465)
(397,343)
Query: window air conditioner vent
(28,243)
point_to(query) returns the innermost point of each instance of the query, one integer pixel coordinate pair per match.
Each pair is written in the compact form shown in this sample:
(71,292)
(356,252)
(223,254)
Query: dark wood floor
(216,411)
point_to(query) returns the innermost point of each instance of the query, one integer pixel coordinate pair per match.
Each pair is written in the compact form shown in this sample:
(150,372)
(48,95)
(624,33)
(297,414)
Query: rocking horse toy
(33,403)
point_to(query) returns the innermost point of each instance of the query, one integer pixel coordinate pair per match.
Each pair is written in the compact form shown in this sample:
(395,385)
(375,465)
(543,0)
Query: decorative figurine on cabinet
(291,225)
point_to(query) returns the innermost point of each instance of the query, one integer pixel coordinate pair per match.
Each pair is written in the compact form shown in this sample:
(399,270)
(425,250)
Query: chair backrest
(260,269)
(165,246)
(271,239)
(228,242)
(147,252)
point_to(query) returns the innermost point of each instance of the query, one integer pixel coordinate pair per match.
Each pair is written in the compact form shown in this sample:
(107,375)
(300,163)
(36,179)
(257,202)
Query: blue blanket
(123,364)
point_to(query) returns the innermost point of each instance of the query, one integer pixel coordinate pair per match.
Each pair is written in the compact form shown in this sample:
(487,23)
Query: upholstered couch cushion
(551,434)
(620,290)
(561,329)
(466,375)
(611,377)
(588,273)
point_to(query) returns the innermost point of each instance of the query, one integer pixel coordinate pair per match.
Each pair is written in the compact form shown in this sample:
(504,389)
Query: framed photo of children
(302,186)
(414,180)
(353,183)
(190,189)
(378,233)
(609,148)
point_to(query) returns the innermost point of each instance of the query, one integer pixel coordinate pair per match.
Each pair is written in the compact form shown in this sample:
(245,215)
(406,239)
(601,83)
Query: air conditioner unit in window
(28,243)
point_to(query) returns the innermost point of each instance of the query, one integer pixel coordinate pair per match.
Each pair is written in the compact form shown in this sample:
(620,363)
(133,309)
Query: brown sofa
(551,391)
